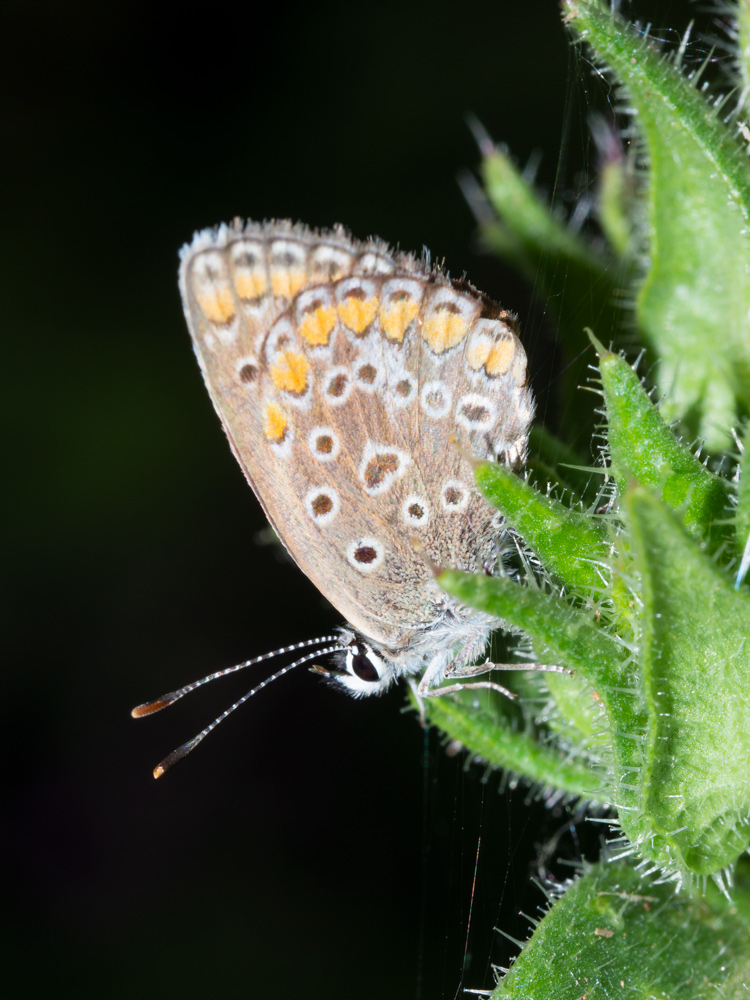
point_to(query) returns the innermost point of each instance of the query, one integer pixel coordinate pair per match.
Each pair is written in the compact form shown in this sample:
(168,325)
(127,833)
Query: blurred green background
(314,844)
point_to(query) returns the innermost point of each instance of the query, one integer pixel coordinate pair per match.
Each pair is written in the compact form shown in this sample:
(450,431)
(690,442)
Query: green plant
(636,584)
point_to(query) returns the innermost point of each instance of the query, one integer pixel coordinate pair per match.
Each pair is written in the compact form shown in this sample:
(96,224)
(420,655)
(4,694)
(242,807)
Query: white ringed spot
(454,496)
(324,443)
(435,400)
(322,504)
(381,466)
(403,390)
(368,376)
(365,554)
(475,412)
(415,511)
(337,386)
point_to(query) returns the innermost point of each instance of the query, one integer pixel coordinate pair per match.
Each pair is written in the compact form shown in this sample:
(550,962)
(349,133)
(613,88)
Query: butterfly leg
(463,671)
(414,687)
(437,670)
(455,688)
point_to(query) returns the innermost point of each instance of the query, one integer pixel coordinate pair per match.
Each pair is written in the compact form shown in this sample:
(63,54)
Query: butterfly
(356,385)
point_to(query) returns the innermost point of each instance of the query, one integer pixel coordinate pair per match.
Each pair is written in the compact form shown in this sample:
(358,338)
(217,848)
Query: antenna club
(150,707)
(169,699)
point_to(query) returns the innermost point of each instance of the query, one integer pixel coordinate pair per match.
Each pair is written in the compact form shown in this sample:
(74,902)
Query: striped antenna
(186,748)
(149,707)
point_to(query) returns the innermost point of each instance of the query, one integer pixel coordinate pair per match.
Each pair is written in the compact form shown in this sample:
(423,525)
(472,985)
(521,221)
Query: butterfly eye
(364,672)
(363,667)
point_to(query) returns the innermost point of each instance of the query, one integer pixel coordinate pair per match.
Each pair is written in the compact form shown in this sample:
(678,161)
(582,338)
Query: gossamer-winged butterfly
(355,385)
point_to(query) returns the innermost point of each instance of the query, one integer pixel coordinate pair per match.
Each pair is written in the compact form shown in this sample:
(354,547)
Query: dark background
(314,844)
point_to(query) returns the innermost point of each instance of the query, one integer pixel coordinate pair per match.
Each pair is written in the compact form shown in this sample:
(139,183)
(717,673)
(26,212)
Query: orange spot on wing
(316,327)
(217,305)
(444,331)
(500,357)
(275,424)
(250,286)
(287,282)
(290,372)
(478,354)
(395,320)
(357,314)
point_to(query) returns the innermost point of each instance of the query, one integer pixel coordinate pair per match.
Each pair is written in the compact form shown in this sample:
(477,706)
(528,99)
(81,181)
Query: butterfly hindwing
(352,383)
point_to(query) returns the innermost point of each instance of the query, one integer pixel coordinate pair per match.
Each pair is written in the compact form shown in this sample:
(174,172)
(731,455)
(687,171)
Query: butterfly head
(360,668)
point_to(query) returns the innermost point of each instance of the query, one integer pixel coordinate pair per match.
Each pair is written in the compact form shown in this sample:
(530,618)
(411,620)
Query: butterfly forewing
(345,377)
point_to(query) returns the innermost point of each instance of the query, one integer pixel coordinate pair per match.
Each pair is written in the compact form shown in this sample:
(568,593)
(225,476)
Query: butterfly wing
(345,377)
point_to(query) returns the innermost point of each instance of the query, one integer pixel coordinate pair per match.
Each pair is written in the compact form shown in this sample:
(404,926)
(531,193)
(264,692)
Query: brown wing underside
(349,381)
